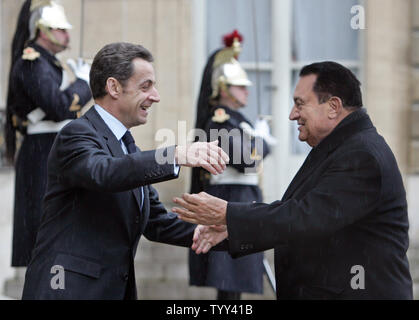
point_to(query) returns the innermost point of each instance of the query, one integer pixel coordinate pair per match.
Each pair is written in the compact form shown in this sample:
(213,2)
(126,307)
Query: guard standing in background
(223,93)
(41,100)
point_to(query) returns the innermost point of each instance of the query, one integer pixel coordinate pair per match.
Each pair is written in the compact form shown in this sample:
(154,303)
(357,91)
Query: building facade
(377,39)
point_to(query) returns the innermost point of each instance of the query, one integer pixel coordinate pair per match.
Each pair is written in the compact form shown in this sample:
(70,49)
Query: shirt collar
(116,126)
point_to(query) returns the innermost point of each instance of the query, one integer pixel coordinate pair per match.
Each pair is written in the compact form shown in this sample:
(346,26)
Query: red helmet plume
(228,39)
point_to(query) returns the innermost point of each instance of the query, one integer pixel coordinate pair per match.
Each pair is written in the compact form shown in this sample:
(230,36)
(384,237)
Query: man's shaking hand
(201,208)
(202,154)
(206,237)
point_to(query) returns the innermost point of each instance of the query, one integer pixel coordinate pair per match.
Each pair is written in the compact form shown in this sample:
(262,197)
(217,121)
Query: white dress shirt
(118,129)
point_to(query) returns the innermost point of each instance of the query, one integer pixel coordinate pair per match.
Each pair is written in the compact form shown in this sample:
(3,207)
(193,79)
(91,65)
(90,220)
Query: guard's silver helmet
(45,15)
(227,70)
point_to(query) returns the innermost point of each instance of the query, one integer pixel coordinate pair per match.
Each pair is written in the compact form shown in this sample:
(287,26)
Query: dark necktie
(129,142)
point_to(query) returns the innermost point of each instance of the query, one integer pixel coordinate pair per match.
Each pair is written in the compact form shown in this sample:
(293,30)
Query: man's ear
(113,87)
(335,107)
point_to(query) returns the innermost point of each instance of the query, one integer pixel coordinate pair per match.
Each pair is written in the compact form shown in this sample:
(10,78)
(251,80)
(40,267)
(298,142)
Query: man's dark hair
(334,79)
(115,60)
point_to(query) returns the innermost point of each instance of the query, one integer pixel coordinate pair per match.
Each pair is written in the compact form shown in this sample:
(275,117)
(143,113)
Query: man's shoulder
(78,132)
(369,141)
(78,126)
(25,67)
(368,145)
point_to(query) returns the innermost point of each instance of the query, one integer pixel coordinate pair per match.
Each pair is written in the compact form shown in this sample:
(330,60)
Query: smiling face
(138,94)
(315,120)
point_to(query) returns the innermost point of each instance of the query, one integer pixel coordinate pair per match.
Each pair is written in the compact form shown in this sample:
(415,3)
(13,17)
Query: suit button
(137,219)
(126,277)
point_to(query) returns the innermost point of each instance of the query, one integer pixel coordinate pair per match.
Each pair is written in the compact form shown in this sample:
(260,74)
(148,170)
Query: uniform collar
(350,125)
(46,54)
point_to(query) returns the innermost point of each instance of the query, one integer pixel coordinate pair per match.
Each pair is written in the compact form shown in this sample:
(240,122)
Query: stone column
(387,72)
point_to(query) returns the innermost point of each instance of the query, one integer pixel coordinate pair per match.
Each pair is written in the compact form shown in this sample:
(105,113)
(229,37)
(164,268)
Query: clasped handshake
(208,212)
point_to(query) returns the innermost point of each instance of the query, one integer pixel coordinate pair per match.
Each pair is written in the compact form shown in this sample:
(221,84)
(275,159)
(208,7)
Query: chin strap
(50,36)
(224,87)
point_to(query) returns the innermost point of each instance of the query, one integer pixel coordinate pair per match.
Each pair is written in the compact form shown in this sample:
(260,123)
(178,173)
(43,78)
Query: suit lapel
(315,156)
(112,142)
(353,123)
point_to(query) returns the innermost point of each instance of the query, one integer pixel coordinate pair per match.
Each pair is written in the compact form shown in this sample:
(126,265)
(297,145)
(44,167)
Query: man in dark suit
(99,200)
(341,228)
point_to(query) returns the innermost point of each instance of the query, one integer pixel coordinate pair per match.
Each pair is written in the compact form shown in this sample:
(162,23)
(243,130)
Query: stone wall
(387,73)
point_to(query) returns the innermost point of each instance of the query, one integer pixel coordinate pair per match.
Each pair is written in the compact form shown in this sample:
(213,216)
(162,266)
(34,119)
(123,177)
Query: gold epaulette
(220,116)
(30,53)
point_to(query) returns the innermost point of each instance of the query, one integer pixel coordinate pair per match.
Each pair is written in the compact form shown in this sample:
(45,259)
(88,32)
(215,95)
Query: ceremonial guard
(223,93)
(41,100)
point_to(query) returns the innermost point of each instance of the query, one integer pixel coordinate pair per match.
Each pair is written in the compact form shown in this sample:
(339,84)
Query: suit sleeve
(347,192)
(82,162)
(40,87)
(165,226)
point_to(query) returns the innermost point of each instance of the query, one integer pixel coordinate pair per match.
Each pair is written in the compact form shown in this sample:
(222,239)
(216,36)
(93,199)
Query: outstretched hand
(201,208)
(202,154)
(206,237)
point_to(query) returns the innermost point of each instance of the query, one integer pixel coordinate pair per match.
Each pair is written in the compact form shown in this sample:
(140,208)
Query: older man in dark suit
(341,228)
(99,200)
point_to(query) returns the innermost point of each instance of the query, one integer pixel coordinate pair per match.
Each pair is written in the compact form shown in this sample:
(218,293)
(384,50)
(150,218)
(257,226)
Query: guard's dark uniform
(35,83)
(217,268)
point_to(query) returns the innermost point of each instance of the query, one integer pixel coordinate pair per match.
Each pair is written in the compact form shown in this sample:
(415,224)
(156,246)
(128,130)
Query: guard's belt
(35,125)
(46,126)
(232,176)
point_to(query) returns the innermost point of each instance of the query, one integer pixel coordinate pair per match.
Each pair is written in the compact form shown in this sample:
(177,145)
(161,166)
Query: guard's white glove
(81,69)
(262,130)
(247,129)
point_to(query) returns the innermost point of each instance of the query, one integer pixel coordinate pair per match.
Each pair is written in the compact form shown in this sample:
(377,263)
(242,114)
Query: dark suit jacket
(92,220)
(345,207)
